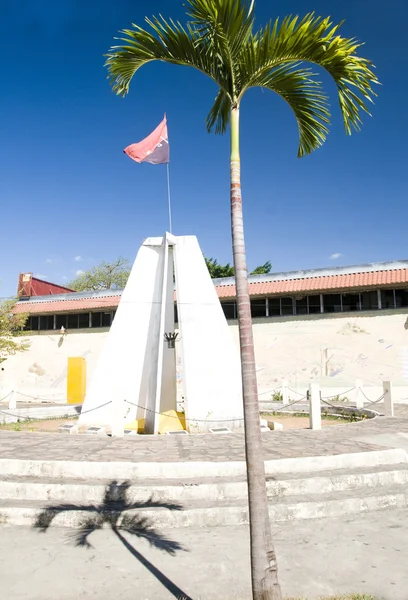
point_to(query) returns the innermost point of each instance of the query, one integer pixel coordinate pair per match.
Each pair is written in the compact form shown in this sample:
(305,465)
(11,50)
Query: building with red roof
(368,287)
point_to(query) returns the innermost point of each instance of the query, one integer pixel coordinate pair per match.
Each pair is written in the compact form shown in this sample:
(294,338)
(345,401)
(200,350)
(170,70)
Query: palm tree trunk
(265,585)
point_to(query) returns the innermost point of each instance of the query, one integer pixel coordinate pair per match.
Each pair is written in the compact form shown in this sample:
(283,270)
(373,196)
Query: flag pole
(168,197)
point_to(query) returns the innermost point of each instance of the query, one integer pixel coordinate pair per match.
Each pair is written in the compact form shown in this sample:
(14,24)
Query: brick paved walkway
(340,439)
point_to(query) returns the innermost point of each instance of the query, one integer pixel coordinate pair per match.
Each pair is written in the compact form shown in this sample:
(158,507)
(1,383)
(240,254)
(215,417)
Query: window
(369,300)
(96,319)
(258,308)
(72,321)
(230,309)
(274,307)
(61,321)
(301,306)
(32,324)
(332,303)
(287,306)
(401,298)
(106,319)
(46,322)
(351,302)
(314,304)
(387,299)
(83,320)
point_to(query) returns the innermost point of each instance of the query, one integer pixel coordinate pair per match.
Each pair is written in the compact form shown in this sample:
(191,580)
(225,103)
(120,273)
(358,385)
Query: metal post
(388,399)
(358,396)
(284,392)
(315,413)
(13,400)
(168,198)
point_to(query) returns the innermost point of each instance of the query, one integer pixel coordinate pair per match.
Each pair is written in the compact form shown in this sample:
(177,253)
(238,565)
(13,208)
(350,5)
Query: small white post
(358,396)
(315,412)
(13,400)
(284,392)
(388,400)
(118,417)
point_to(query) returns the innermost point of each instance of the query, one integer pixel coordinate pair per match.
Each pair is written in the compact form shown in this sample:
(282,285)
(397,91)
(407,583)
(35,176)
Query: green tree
(216,270)
(262,269)
(105,276)
(220,40)
(10,329)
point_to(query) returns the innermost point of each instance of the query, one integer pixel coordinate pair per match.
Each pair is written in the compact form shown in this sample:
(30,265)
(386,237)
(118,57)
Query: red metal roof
(74,305)
(29,286)
(321,284)
(344,282)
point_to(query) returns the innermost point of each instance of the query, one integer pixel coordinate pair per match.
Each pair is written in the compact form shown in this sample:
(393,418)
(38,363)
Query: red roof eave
(310,285)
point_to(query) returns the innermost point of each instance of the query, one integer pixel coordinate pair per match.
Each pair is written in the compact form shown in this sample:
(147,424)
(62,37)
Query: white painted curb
(220,516)
(189,469)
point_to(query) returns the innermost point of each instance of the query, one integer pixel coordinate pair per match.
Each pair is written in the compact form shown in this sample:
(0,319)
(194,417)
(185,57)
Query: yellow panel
(170,421)
(76,380)
(182,417)
(137,425)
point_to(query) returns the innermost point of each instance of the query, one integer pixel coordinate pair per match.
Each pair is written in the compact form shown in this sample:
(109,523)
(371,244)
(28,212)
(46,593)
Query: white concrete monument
(136,374)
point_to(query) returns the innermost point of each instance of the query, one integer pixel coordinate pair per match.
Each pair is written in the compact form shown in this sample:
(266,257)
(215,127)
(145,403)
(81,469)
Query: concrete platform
(363,553)
(338,471)
(340,439)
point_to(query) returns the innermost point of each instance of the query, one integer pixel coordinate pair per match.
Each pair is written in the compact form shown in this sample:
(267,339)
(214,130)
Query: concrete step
(201,513)
(144,471)
(208,489)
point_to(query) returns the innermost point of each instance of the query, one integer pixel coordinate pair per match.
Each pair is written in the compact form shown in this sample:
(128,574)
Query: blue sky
(70,198)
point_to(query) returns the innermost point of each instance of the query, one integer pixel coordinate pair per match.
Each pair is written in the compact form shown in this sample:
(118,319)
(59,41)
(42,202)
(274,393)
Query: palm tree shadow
(113,512)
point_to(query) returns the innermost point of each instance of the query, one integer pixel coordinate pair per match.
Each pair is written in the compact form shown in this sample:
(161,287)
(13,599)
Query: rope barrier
(338,395)
(5,397)
(286,406)
(370,402)
(190,420)
(270,391)
(368,399)
(52,417)
(295,392)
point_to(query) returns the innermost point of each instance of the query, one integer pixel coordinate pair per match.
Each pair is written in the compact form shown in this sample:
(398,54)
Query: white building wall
(369,346)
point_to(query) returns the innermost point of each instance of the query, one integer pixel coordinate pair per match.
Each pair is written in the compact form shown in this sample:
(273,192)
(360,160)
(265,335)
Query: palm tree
(116,512)
(220,41)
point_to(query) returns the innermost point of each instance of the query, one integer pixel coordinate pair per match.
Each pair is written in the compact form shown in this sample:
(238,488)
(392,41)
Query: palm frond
(168,41)
(223,25)
(219,114)
(315,40)
(305,96)
(220,41)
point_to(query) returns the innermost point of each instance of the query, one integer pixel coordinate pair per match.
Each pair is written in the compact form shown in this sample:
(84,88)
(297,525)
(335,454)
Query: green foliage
(277,397)
(263,269)
(105,276)
(114,275)
(10,329)
(216,270)
(220,40)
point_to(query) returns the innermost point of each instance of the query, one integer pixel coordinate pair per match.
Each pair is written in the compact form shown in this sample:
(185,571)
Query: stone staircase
(64,493)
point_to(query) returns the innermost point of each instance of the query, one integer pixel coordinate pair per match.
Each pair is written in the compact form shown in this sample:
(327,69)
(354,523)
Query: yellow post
(76,380)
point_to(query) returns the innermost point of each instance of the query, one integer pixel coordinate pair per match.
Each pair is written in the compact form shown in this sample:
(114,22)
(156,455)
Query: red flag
(154,149)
